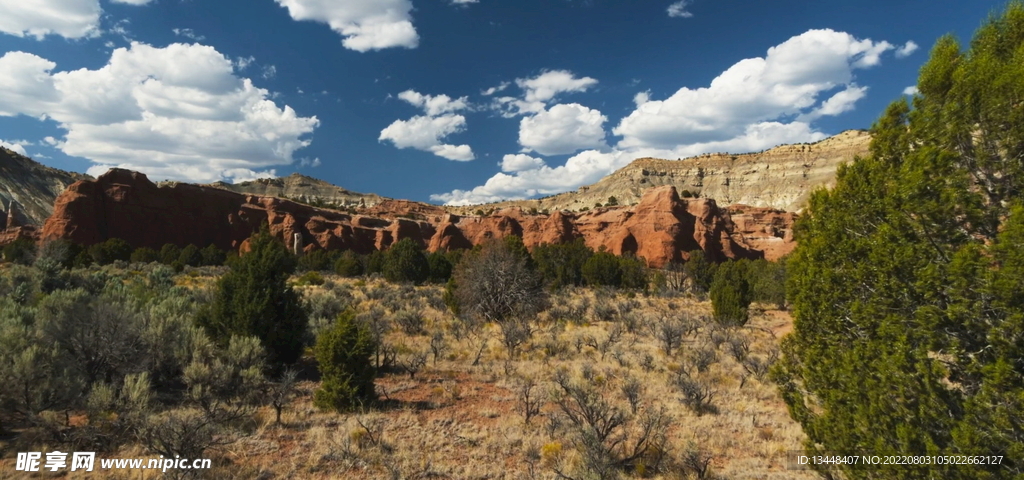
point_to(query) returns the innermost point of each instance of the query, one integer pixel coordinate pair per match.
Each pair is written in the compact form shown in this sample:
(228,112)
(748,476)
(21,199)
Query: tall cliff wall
(661,227)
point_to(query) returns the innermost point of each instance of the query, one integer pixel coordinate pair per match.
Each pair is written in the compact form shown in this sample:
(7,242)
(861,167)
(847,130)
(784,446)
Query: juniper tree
(254,299)
(906,284)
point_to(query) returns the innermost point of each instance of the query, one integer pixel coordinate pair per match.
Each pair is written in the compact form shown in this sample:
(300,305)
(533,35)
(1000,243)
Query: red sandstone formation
(661,228)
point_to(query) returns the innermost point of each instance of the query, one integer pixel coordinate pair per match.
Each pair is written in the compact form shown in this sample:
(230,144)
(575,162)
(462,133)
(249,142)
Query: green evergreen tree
(22,250)
(731,293)
(349,264)
(908,318)
(111,250)
(374,262)
(344,354)
(768,281)
(602,268)
(169,253)
(406,262)
(212,255)
(144,255)
(315,261)
(562,264)
(191,256)
(254,299)
(699,271)
(633,272)
(440,267)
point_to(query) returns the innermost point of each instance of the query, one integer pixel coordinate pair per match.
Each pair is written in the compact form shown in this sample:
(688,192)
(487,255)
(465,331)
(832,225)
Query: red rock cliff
(124,204)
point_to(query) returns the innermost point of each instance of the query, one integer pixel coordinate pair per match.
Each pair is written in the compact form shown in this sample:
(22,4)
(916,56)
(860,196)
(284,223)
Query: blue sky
(456,101)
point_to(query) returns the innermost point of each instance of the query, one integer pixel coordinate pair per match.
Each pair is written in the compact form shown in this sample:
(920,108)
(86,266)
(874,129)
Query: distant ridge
(31,187)
(781,178)
(304,189)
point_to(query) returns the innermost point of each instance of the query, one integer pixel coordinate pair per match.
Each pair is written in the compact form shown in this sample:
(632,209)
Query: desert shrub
(254,299)
(191,256)
(144,255)
(612,201)
(343,354)
(496,283)
(61,251)
(36,377)
(226,382)
(211,255)
(405,261)
(182,434)
(349,264)
(698,394)
(319,304)
(22,251)
(609,440)
(731,294)
(562,264)
(411,322)
(311,277)
(669,330)
(107,252)
(102,336)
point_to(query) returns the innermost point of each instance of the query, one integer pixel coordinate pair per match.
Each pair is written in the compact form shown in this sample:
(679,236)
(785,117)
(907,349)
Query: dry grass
(456,420)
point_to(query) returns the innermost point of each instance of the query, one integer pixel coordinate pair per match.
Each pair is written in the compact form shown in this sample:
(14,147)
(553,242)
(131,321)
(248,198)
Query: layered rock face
(779,178)
(660,228)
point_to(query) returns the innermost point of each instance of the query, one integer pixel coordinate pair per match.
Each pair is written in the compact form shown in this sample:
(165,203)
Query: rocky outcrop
(765,229)
(779,178)
(304,189)
(28,189)
(124,204)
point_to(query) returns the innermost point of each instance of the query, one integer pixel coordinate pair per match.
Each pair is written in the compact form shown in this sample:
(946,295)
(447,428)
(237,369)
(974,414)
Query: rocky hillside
(303,189)
(780,178)
(30,187)
(661,228)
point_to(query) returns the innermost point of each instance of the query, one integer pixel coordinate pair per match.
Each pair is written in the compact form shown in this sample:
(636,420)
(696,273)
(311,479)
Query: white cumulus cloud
(562,129)
(434,105)
(547,85)
(538,92)
(678,9)
(787,81)
(427,133)
(363,24)
(837,104)
(520,162)
(65,18)
(495,89)
(177,112)
(907,49)
(911,90)
(38,18)
(756,104)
